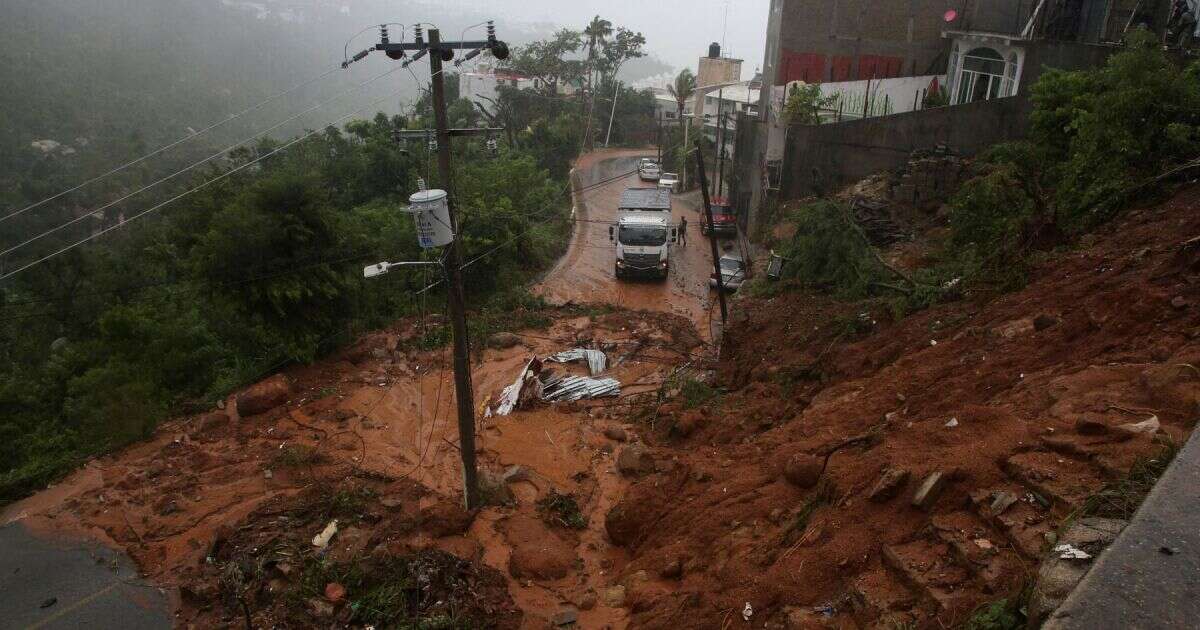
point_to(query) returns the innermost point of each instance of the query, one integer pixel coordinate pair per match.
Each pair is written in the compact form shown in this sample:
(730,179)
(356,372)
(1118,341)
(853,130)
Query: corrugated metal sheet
(572,388)
(597,362)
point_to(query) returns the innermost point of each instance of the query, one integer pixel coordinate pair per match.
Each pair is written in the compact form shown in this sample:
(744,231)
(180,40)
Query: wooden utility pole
(438,53)
(712,234)
(463,391)
(722,116)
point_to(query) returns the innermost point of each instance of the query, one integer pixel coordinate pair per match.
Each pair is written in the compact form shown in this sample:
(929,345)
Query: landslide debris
(958,439)
(266,571)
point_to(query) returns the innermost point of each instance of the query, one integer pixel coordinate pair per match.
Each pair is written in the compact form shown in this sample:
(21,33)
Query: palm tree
(682,90)
(597,32)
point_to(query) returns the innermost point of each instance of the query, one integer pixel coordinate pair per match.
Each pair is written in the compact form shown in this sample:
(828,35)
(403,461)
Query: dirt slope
(1018,397)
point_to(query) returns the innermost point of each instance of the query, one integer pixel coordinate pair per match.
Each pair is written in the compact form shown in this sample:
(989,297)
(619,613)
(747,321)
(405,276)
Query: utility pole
(463,391)
(720,168)
(616,93)
(712,241)
(721,142)
(660,140)
(438,53)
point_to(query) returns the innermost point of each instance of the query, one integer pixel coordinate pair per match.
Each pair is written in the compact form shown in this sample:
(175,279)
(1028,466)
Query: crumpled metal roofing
(572,388)
(597,362)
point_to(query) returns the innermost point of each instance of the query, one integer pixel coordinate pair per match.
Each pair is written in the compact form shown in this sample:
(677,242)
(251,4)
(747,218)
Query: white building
(729,102)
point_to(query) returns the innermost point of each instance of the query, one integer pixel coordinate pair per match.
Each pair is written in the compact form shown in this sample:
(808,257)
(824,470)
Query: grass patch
(1121,498)
(296,455)
(695,393)
(1003,614)
(561,509)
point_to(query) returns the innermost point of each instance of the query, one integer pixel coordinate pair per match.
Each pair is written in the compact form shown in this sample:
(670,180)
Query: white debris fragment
(952,423)
(747,612)
(321,541)
(1070,552)
(1150,426)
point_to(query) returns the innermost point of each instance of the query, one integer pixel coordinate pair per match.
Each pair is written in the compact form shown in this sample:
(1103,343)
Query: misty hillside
(111,79)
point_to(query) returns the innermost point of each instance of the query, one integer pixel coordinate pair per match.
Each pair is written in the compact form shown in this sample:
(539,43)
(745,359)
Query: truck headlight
(662,264)
(620,263)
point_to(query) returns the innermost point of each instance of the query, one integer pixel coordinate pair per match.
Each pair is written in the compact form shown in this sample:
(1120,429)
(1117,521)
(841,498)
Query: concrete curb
(1150,576)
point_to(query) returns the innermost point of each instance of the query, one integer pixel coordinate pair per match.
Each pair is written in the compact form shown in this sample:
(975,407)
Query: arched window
(982,76)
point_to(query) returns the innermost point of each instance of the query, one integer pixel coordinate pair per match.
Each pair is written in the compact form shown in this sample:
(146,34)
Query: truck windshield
(643,235)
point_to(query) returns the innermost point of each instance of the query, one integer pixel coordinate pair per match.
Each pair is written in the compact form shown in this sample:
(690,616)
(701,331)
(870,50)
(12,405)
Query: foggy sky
(677,31)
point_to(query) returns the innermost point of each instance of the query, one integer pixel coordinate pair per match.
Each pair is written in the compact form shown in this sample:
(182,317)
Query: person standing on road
(683,231)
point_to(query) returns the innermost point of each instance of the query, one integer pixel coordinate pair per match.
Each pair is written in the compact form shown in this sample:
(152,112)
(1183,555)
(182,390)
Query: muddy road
(585,273)
(380,415)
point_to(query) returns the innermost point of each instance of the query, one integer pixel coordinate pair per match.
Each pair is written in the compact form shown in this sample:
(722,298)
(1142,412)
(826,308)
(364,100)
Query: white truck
(643,233)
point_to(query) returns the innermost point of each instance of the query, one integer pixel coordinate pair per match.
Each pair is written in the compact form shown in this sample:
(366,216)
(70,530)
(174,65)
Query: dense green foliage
(1097,136)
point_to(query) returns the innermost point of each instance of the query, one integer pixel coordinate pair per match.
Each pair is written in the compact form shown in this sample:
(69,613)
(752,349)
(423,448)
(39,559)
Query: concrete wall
(823,158)
(839,40)
(1041,55)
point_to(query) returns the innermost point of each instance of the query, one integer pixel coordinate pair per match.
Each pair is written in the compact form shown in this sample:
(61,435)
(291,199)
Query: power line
(190,191)
(172,145)
(194,165)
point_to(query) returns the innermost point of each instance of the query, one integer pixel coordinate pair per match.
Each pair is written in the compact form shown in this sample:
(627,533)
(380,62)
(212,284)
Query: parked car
(670,181)
(724,222)
(733,272)
(648,170)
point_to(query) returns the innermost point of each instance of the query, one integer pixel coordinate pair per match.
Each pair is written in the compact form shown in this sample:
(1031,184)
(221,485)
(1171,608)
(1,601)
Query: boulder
(803,470)
(622,525)
(504,340)
(264,396)
(633,460)
(616,434)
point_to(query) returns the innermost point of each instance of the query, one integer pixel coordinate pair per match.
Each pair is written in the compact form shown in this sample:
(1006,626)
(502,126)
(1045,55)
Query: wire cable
(203,131)
(192,190)
(194,165)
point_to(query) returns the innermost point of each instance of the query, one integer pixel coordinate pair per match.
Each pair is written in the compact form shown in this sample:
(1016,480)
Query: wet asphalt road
(55,584)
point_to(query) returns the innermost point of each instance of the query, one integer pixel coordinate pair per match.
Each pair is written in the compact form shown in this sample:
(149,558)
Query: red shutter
(840,68)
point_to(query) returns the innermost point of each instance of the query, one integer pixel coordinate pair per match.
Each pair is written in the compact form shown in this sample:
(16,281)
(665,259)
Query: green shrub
(829,252)
(1108,129)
